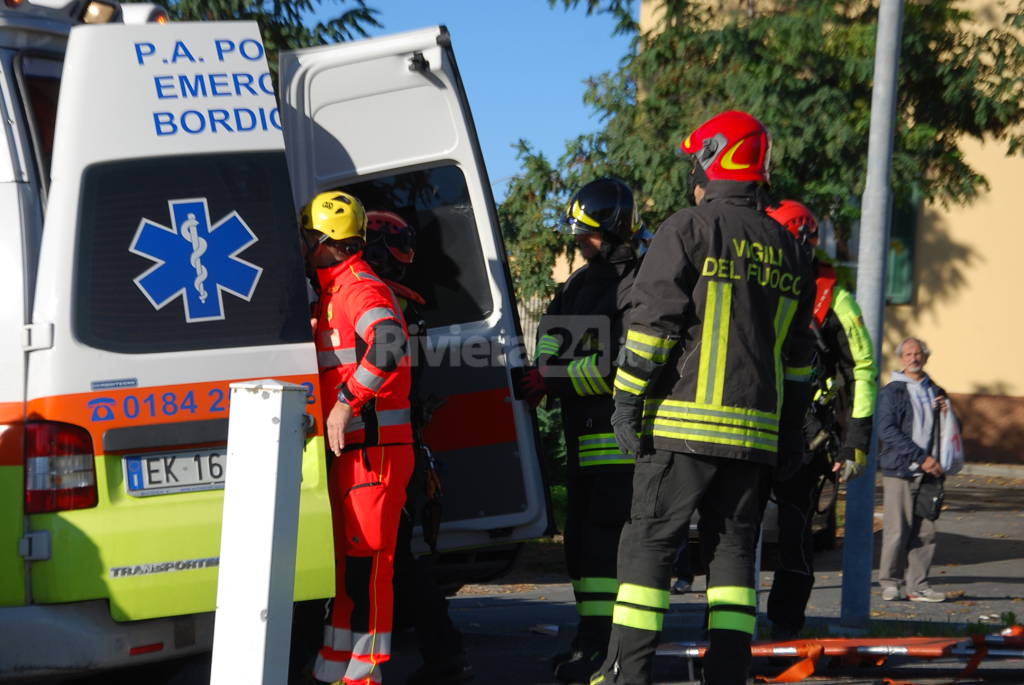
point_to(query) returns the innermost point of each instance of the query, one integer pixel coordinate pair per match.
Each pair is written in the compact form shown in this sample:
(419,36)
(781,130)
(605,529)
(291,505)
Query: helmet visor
(404,256)
(312,238)
(401,240)
(574,226)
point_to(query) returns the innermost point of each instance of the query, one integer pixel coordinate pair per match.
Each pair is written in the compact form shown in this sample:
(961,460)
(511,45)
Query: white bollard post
(256,583)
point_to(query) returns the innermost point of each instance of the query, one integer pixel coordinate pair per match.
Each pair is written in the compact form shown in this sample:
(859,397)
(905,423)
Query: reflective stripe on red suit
(367,483)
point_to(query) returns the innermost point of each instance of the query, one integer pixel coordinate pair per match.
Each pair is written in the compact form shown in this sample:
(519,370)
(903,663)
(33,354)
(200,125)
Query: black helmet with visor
(604,206)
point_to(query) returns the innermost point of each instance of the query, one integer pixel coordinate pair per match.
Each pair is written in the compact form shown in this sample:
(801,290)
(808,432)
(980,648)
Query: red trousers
(367,489)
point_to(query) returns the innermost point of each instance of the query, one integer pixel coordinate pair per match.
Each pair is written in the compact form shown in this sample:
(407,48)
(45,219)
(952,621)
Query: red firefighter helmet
(390,231)
(732,146)
(797,219)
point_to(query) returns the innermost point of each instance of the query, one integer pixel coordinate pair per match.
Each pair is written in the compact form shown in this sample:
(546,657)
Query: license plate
(187,471)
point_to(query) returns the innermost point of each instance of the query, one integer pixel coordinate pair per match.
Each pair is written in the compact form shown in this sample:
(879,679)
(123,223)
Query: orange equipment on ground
(873,651)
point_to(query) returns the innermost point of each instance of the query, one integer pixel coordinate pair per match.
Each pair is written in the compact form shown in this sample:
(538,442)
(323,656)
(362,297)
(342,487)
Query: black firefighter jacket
(718,334)
(579,338)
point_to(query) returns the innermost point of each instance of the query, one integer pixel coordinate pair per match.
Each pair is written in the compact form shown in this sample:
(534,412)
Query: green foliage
(804,68)
(559,505)
(284,24)
(621,10)
(549,424)
(528,220)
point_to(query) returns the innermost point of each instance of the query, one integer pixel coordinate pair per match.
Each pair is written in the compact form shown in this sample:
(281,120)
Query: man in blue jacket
(906,416)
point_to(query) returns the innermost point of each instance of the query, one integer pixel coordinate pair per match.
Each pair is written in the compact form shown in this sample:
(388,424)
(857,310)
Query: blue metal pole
(858,558)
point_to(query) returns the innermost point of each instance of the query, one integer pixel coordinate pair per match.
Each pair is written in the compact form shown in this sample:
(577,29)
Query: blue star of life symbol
(195,260)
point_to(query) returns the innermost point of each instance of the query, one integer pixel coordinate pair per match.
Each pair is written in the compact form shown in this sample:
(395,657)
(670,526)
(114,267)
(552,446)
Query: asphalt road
(511,627)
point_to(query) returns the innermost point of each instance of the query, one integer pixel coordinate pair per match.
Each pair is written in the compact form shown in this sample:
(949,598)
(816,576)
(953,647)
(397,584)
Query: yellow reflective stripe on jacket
(585,377)
(643,596)
(800,374)
(579,381)
(784,313)
(595,440)
(711,433)
(733,416)
(865,371)
(649,346)
(601,449)
(596,379)
(627,382)
(713,424)
(643,619)
(548,344)
(605,458)
(714,345)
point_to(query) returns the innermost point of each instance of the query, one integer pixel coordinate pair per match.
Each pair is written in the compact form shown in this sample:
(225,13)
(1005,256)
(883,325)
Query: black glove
(629,410)
(854,463)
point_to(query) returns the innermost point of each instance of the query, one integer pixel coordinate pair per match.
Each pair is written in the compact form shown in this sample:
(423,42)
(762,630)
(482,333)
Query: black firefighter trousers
(598,507)
(797,499)
(667,488)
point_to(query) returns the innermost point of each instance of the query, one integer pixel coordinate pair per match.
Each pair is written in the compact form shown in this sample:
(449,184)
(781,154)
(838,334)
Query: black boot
(562,657)
(588,650)
(581,666)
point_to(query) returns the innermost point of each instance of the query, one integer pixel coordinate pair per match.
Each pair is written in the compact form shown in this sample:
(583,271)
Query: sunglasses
(314,239)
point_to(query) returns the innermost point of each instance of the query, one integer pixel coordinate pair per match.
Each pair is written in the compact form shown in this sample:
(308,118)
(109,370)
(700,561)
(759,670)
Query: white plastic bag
(951,446)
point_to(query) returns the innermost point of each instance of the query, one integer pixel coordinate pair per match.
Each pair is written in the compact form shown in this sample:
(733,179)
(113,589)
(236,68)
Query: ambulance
(149,185)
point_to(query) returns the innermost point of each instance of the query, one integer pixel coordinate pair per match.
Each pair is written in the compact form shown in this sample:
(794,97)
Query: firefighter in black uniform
(837,426)
(579,338)
(714,373)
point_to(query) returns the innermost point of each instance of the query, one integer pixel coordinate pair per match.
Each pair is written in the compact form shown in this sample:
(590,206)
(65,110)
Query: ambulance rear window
(449,269)
(187,253)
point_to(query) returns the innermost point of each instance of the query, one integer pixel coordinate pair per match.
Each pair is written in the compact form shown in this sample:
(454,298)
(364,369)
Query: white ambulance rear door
(388,120)
(18,242)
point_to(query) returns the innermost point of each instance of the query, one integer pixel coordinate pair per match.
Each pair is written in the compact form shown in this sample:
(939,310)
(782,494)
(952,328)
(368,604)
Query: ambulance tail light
(60,470)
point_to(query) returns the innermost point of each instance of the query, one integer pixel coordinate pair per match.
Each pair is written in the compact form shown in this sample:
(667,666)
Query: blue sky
(523,65)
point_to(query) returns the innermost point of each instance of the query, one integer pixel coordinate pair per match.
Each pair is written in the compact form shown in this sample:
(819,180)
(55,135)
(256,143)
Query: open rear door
(388,120)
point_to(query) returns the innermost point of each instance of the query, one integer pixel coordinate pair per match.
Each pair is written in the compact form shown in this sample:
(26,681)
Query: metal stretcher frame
(976,648)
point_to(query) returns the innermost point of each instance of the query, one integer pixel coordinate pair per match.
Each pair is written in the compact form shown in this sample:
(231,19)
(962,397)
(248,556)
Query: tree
(284,24)
(804,67)
(528,219)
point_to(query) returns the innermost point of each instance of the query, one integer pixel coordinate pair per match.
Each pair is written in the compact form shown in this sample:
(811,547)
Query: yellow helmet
(336,214)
